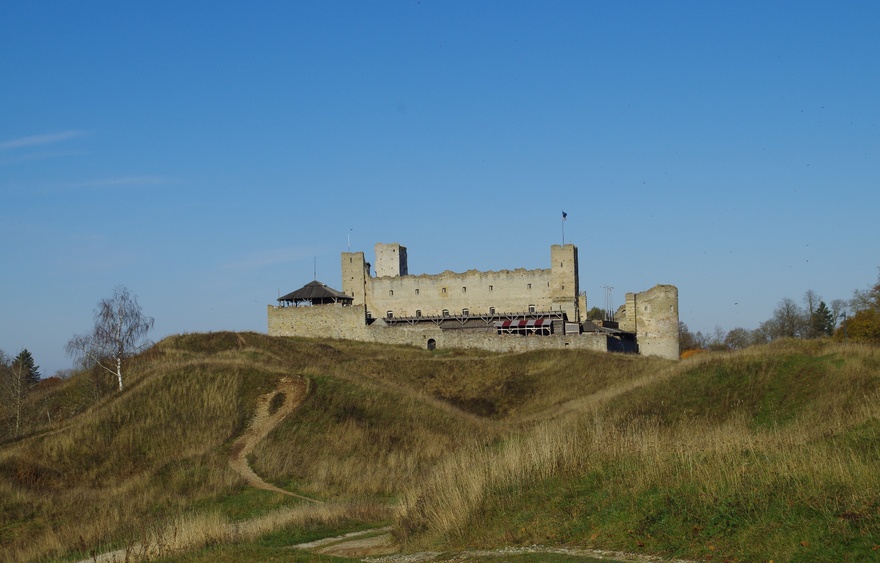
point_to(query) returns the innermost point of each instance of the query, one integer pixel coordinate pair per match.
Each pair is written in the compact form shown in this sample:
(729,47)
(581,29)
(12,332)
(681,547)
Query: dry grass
(193,532)
(652,450)
(566,444)
(377,420)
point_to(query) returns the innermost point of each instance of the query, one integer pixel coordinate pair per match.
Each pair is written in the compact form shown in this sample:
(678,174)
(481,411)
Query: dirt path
(293,390)
(378,546)
(375,545)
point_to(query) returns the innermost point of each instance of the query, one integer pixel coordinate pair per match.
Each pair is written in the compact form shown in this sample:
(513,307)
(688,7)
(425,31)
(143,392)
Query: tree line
(857,319)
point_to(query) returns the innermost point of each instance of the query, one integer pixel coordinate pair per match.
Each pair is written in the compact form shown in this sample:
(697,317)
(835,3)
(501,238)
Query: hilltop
(768,453)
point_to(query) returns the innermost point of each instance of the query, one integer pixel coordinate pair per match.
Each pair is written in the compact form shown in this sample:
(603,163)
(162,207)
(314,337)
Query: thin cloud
(123,181)
(39,140)
(13,158)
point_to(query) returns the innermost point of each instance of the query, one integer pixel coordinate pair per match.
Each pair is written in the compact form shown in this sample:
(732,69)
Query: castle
(505,310)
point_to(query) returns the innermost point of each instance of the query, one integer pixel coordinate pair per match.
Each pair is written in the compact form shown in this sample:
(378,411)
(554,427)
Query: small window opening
(389,315)
(532,308)
(417,291)
(464,289)
(443,290)
(418,313)
(491,310)
(390,292)
(530,286)
(465,312)
(445,312)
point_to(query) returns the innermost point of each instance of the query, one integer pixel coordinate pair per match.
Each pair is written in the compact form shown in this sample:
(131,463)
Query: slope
(376,421)
(771,453)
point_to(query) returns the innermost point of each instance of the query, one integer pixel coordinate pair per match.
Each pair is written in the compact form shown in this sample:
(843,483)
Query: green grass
(769,453)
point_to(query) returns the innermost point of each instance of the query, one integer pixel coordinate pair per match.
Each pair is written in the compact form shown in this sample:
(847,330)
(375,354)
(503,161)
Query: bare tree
(864,300)
(789,320)
(762,334)
(120,326)
(811,302)
(686,340)
(7,389)
(838,310)
(17,377)
(717,339)
(737,339)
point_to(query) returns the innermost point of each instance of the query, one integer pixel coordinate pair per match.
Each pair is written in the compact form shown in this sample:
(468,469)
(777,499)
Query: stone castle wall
(331,321)
(503,291)
(653,316)
(348,323)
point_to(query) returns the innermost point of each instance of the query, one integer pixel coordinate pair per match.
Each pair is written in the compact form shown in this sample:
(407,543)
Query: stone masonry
(395,307)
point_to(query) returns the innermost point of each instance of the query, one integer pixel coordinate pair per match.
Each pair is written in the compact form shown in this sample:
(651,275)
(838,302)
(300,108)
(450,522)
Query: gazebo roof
(316,292)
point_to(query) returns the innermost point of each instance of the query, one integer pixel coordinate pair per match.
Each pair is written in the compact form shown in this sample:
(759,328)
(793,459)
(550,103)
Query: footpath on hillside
(292,391)
(375,545)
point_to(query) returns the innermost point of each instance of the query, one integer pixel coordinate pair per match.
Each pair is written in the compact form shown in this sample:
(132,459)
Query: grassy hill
(770,453)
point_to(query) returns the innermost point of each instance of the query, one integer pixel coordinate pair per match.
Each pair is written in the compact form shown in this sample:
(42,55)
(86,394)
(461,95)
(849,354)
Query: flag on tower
(564,215)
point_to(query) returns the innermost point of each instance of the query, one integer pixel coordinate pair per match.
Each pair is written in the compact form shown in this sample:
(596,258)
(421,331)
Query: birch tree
(7,391)
(120,332)
(17,377)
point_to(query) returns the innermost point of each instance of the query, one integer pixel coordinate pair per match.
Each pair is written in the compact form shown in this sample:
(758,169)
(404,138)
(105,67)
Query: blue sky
(208,155)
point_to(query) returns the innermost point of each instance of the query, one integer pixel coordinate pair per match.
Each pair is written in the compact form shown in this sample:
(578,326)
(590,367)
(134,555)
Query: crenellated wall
(503,291)
(651,315)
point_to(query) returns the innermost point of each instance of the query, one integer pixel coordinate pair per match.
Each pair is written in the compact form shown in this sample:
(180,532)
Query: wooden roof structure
(316,293)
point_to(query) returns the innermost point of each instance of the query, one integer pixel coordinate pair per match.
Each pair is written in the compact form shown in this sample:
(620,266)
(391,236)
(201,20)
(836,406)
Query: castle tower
(355,272)
(564,283)
(653,316)
(391,260)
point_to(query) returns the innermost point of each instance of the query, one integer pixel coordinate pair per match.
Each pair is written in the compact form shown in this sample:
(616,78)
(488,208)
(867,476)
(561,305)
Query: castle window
(418,314)
(532,308)
(445,312)
(389,315)
(491,309)
(530,286)
(491,288)
(417,291)
(390,292)
(464,290)
(465,312)
(443,290)
(646,308)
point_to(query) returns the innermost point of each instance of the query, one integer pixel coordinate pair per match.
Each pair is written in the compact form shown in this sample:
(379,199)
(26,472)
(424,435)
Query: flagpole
(563,227)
